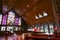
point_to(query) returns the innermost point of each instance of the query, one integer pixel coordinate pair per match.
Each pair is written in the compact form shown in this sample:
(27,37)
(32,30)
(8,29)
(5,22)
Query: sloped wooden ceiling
(28,9)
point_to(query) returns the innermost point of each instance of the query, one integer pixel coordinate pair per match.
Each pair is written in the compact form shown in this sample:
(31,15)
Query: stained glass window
(16,20)
(42,29)
(51,28)
(3,28)
(10,21)
(20,21)
(4,19)
(0,18)
(16,28)
(46,28)
(11,16)
(10,28)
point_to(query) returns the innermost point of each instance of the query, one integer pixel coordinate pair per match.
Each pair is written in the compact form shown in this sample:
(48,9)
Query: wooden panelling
(43,6)
(28,9)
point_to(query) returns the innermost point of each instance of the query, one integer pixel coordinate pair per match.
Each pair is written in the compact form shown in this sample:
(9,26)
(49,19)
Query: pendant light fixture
(45,14)
(36,17)
(40,16)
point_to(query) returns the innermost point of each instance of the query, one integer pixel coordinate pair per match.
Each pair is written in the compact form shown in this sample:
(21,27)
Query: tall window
(16,20)
(10,21)
(19,21)
(42,28)
(0,18)
(13,19)
(4,19)
(51,28)
(46,29)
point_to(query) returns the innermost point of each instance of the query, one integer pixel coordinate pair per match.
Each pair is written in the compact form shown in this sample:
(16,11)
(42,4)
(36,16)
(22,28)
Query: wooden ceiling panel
(45,6)
(23,5)
(28,9)
(10,4)
(30,17)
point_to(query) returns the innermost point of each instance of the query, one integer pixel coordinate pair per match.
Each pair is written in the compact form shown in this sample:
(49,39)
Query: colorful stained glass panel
(4,19)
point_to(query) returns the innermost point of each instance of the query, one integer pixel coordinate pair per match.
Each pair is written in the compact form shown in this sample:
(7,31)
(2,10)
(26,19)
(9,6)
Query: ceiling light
(45,14)
(27,5)
(36,17)
(40,16)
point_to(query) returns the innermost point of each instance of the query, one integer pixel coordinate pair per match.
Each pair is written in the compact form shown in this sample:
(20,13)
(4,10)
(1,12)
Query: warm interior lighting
(28,5)
(40,16)
(30,29)
(45,14)
(19,21)
(0,18)
(3,28)
(10,29)
(51,28)
(36,17)
(11,16)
